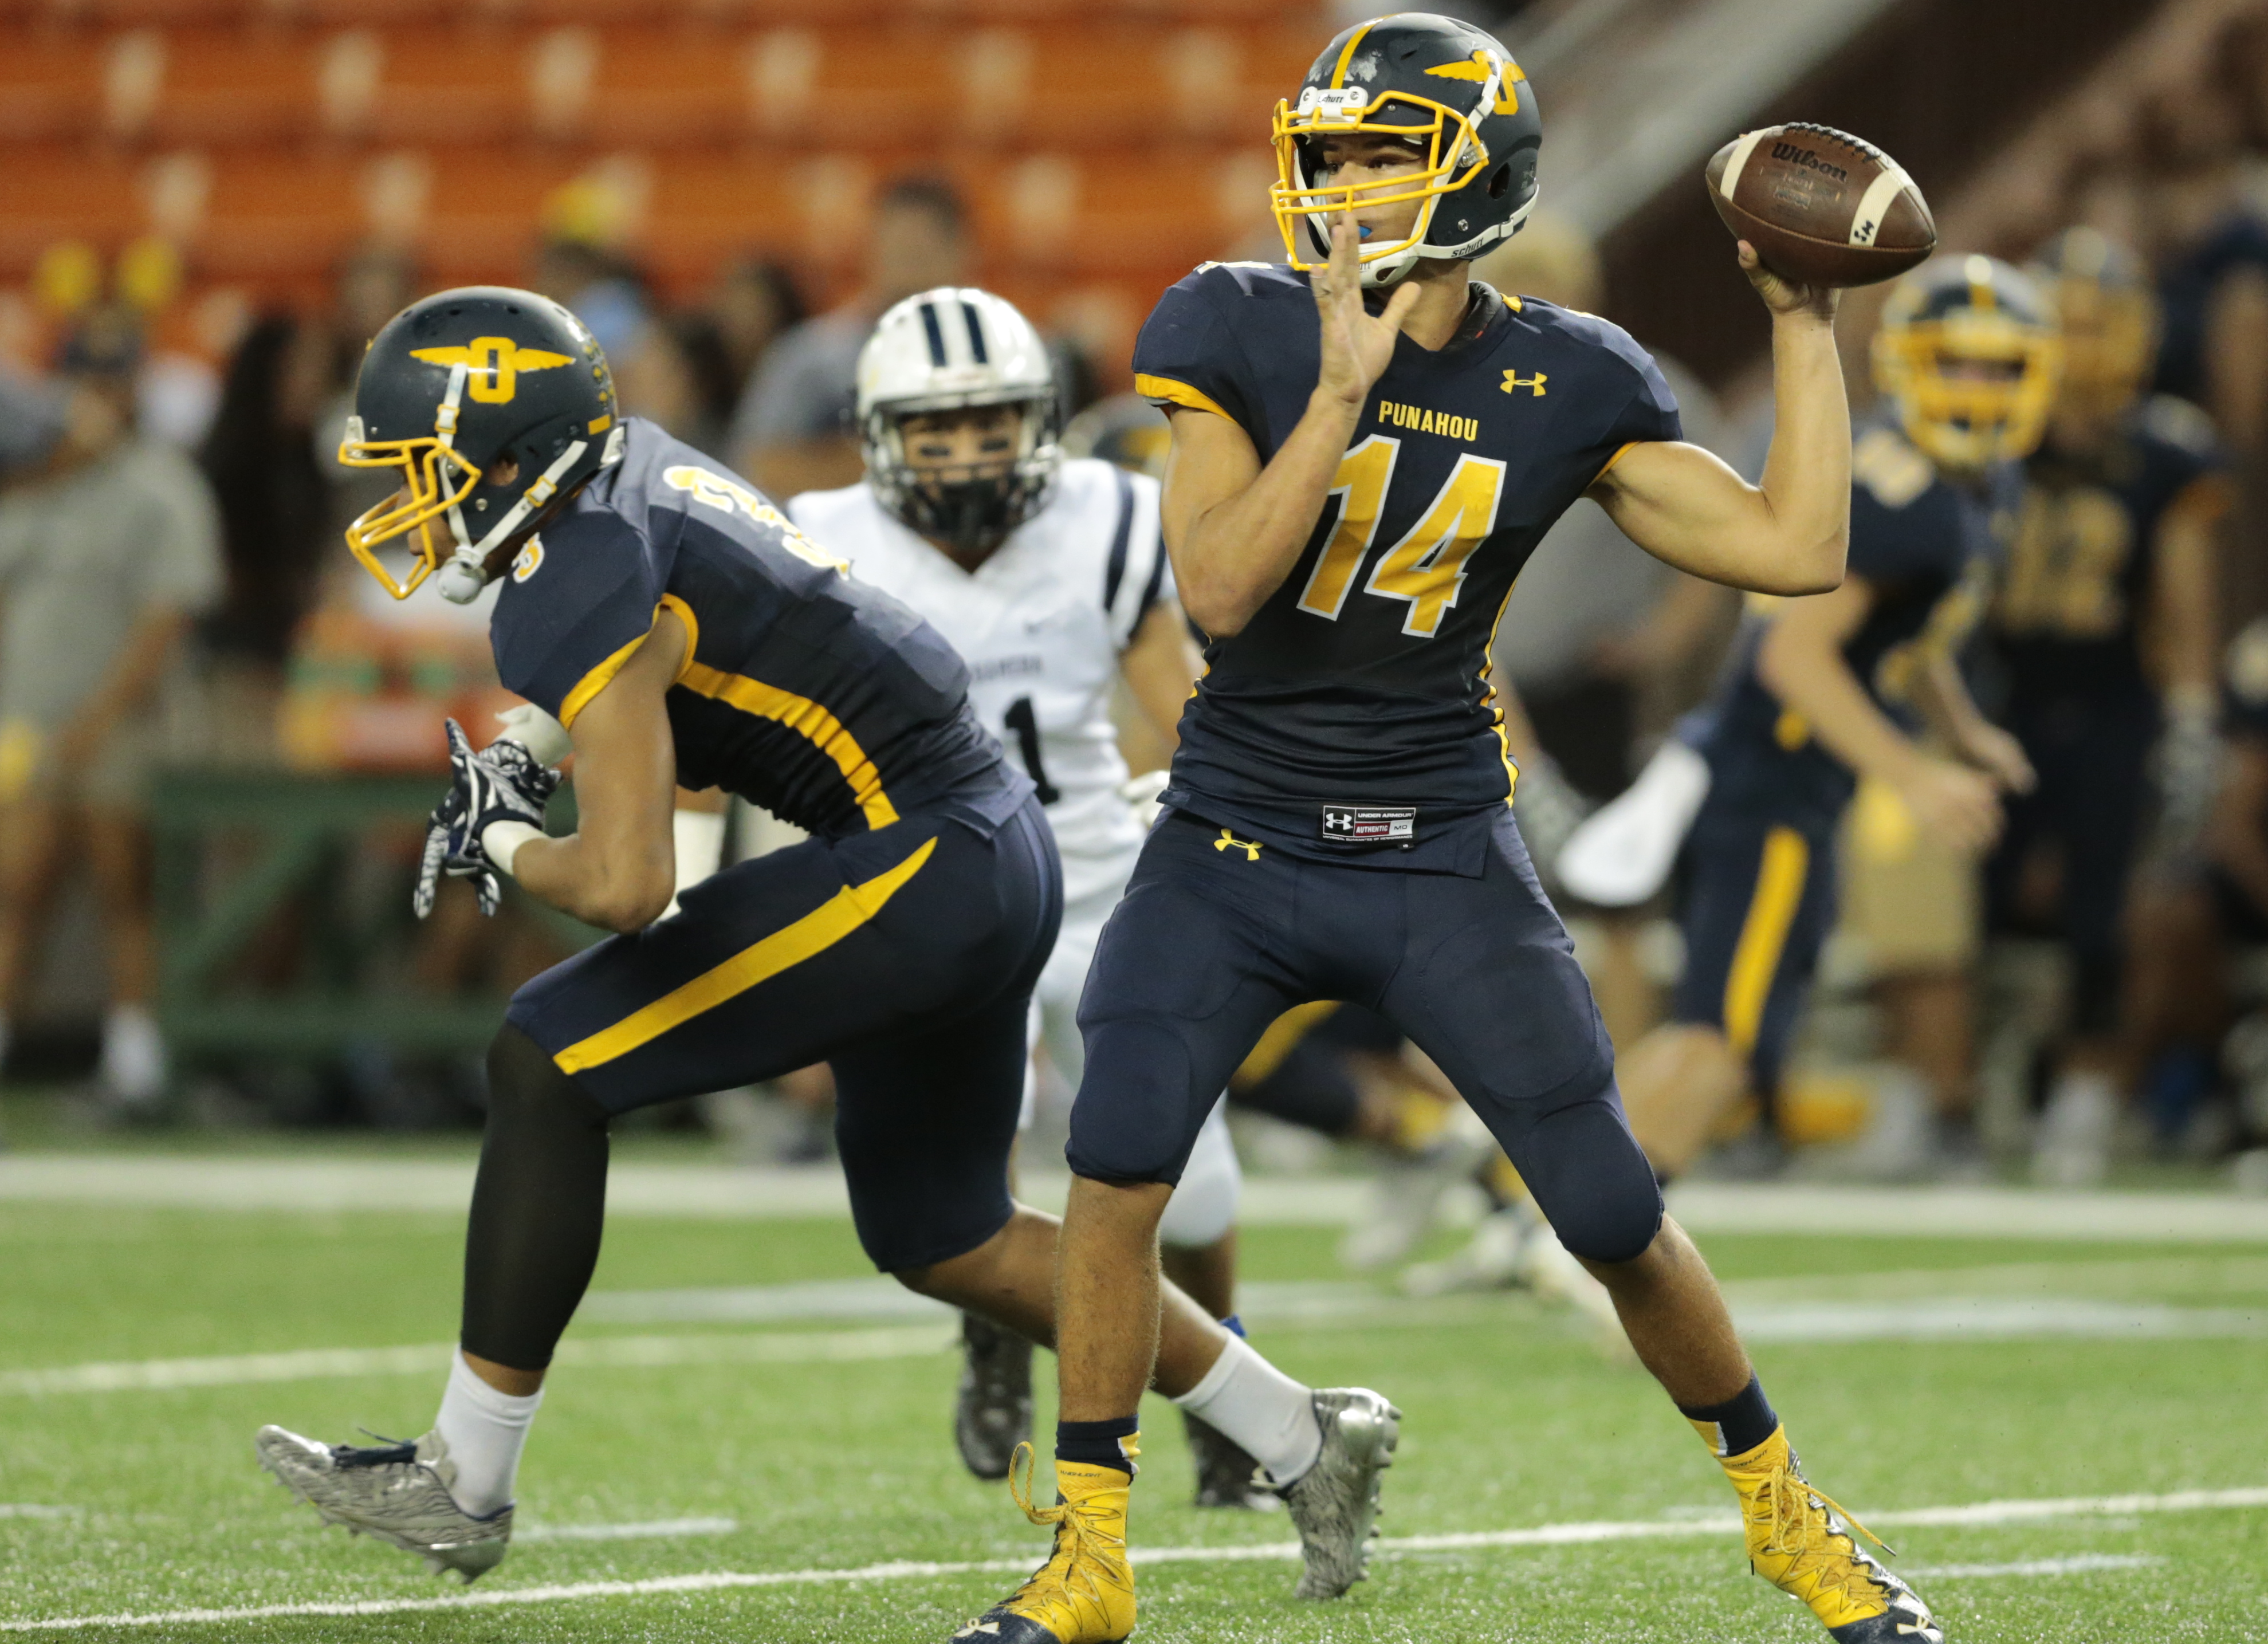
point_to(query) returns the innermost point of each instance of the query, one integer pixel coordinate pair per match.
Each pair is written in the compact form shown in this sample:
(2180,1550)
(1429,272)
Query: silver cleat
(1335,1502)
(397,1493)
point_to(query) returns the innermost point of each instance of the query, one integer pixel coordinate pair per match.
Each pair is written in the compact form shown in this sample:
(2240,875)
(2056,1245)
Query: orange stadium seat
(48,194)
(465,85)
(227,85)
(672,87)
(279,218)
(483,219)
(51,85)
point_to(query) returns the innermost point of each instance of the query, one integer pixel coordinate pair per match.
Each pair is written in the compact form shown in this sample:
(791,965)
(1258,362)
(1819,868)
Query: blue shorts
(1757,903)
(906,957)
(1218,937)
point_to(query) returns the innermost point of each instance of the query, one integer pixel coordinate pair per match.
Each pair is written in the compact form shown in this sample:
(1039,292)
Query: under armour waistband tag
(1370,824)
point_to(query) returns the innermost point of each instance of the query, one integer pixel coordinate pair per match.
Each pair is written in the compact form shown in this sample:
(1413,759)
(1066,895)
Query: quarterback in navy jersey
(668,625)
(1823,690)
(2104,630)
(1363,450)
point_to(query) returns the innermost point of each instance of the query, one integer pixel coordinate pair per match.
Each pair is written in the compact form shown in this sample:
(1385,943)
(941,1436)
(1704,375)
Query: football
(1821,206)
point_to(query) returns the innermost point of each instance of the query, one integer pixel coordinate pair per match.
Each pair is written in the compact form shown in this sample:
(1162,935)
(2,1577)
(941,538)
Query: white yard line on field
(2078,1565)
(650,1529)
(32,1509)
(741,1347)
(1981,1513)
(331,1184)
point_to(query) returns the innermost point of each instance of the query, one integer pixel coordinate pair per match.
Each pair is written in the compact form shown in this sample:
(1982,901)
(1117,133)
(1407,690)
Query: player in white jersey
(1049,576)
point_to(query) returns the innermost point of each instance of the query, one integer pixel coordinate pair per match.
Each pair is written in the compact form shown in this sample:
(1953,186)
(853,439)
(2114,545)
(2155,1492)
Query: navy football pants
(905,957)
(1216,938)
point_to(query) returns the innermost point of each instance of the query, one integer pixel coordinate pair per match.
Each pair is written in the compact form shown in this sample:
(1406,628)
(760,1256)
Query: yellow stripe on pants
(1764,935)
(814,932)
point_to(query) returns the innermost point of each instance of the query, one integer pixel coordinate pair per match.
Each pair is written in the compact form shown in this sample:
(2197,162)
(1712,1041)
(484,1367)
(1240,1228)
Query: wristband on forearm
(500,842)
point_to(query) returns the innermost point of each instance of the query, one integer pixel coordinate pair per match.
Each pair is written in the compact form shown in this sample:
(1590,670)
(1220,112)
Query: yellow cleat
(1083,1594)
(1801,1542)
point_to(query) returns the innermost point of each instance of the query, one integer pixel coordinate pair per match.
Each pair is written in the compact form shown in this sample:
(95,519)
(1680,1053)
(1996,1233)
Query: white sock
(484,1431)
(133,1054)
(1259,1407)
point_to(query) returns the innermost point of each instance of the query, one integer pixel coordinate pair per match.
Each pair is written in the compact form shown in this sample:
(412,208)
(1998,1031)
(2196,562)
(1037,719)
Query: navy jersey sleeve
(1187,356)
(577,606)
(1650,412)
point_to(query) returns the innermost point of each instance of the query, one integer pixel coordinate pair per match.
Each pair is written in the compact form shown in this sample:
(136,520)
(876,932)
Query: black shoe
(993,1414)
(1226,1475)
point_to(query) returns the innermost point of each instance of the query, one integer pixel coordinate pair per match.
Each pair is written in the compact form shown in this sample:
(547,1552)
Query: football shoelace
(385,1453)
(1083,1547)
(1787,1498)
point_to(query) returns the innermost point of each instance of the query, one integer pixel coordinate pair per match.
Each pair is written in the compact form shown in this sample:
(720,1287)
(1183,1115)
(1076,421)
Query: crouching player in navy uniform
(2105,629)
(670,626)
(1366,448)
(1825,690)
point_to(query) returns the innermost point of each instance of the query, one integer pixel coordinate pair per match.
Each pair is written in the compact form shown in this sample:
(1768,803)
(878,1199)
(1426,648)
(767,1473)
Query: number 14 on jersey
(1427,566)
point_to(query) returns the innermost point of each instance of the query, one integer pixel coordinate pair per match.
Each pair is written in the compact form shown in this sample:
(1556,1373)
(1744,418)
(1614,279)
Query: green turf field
(814,1448)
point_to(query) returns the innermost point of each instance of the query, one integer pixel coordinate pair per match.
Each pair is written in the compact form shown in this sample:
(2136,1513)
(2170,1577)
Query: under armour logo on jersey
(1250,847)
(493,364)
(1514,381)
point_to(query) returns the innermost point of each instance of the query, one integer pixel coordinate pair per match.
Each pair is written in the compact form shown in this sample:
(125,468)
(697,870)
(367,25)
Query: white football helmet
(947,349)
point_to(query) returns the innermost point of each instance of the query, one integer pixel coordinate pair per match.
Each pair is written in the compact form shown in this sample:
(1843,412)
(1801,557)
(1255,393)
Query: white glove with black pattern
(503,782)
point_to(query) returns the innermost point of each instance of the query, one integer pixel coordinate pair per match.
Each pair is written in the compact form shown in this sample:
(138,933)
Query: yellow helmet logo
(1508,96)
(494,363)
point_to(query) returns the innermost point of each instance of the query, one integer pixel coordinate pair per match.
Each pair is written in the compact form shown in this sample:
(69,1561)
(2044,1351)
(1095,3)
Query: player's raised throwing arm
(1787,535)
(1234,528)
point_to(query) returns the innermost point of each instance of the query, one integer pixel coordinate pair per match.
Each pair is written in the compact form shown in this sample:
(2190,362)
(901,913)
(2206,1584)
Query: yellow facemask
(1969,422)
(436,477)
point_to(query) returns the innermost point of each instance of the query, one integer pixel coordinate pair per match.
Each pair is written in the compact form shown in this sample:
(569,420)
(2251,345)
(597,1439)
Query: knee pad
(1124,1128)
(1203,1204)
(1591,1182)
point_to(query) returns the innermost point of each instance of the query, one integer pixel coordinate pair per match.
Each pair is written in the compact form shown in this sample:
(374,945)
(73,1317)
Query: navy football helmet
(449,386)
(1442,85)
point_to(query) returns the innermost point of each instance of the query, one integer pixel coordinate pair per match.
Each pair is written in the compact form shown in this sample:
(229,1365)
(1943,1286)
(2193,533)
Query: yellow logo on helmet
(1507,95)
(494,364)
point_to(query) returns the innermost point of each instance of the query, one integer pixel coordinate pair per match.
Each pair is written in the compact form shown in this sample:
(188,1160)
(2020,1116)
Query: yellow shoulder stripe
(1178,394)
(1617,457)
(603,675)
(598,679)
(806,717)
(784,950)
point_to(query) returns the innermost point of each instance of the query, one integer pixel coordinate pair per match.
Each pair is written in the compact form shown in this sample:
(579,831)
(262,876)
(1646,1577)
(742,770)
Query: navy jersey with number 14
(1352,719)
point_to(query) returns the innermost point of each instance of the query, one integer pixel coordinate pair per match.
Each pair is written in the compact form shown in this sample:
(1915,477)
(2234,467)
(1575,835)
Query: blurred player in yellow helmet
(2105,628)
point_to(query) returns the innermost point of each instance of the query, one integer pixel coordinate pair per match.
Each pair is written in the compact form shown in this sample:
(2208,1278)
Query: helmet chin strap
(466,574)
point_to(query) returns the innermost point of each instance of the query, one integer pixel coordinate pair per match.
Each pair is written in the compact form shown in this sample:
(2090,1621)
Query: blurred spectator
(275,510)
(2211,250)
(602,290)
(105,561)
(369,288)
(31,422)
(1604,642)
(676,372)
(793,432)
(754,304)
